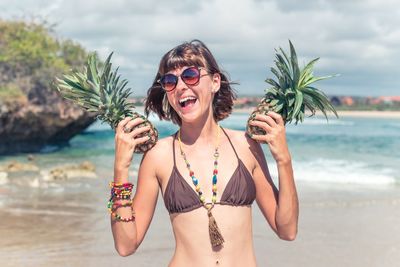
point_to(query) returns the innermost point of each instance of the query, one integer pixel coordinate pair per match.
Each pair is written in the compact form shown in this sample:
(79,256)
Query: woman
(208,176)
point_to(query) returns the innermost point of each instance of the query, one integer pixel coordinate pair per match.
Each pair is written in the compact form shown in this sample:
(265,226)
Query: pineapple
(99,89)
(292,92)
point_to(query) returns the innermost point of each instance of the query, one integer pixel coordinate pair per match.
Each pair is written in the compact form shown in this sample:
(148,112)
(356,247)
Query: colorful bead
(197,188)
(215,172)
(195,181)
(214,188)
(214,179)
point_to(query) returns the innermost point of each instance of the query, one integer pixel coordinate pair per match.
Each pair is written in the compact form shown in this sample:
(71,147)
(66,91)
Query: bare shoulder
(248,149)
(162,147)
(160,153)
(241,140)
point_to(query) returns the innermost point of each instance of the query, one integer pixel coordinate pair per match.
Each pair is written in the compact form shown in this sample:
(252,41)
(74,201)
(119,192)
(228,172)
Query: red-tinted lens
(191,76)
(168,82)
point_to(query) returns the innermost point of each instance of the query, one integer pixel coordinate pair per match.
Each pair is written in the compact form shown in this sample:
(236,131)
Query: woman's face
(192,102)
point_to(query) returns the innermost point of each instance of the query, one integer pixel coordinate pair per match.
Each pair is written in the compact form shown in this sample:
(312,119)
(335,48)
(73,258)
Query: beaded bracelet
(122,196)
(120,191)
(121,185)
(119,218)
(118,205)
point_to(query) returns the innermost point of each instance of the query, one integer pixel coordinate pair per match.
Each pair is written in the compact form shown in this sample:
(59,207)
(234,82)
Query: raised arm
(279,207)
(129,235)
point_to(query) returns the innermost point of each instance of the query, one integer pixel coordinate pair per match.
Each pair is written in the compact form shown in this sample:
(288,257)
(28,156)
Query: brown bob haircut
(193,53)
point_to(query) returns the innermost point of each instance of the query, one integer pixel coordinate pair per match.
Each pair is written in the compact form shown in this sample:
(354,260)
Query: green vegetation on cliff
(30,57)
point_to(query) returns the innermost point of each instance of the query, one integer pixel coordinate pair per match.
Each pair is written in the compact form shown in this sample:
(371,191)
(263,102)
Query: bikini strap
(234,150)
(173,147)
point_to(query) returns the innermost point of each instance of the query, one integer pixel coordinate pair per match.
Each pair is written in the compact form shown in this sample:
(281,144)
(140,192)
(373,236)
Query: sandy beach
(339,226)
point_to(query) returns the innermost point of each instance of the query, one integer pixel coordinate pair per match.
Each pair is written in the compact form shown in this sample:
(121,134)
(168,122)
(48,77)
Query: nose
(180,84)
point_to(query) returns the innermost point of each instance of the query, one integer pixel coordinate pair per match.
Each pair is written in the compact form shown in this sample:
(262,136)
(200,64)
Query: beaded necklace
(215,234)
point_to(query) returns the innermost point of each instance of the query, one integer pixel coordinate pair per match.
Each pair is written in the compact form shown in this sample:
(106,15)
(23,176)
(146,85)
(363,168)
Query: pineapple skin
(152,133)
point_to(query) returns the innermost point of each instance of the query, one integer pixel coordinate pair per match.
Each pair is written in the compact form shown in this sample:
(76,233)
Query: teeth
(186,99)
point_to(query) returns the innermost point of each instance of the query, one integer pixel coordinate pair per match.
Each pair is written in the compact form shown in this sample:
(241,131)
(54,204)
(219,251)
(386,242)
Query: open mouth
(187,101)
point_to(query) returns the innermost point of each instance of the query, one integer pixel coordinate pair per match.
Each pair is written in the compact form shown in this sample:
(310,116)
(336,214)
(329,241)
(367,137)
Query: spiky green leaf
(292,92)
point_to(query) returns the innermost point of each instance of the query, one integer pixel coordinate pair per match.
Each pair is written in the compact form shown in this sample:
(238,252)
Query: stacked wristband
(120,192)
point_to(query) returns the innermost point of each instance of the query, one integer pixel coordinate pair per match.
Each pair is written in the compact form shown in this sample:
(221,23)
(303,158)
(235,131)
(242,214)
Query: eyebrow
(187,67)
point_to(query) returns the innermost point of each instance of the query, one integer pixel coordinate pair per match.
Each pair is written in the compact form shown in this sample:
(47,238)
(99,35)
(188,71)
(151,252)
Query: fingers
(125,134)
(133,123)
(141,140)
(277,117)
(266,118)
(122,123)
(261,138)
(271,118)
(262,124)
(126,125)
(138,130)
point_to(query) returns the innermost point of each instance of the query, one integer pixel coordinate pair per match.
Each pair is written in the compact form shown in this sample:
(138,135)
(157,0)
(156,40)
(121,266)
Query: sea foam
(340,172)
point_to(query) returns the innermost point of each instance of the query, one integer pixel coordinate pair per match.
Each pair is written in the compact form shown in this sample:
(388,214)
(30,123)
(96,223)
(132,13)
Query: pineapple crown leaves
(292,92)
(97,88)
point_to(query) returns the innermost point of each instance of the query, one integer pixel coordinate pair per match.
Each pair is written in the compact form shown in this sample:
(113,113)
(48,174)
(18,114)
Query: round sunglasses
(190,76)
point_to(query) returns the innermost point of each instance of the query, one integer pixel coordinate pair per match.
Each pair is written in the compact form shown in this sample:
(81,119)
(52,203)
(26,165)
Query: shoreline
(344,113)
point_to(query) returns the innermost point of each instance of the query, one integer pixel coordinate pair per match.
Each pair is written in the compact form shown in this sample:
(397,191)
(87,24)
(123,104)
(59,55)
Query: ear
(216,82)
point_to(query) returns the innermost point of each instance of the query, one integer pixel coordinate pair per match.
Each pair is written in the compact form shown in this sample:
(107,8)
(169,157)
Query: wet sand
(340,225)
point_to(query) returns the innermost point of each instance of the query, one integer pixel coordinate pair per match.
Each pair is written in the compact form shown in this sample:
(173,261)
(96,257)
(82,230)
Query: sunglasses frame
(180,76)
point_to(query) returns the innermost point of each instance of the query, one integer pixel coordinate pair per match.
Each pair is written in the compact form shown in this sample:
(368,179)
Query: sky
(357,39)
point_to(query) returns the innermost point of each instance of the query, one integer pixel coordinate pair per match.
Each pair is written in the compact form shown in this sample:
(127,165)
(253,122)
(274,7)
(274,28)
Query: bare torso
(193,242)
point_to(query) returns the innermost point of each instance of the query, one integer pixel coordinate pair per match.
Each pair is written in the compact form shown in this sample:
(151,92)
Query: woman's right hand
(125,143)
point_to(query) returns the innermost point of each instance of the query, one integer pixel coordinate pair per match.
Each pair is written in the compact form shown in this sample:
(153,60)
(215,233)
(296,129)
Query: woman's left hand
(275,136)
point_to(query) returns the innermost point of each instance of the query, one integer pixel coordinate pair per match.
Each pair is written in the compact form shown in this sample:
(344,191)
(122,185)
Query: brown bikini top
(179,196)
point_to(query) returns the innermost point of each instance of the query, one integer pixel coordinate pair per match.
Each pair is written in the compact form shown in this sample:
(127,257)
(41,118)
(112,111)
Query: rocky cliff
(28,126)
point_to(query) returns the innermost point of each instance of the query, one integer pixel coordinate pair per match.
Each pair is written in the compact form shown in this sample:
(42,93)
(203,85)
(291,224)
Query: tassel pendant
(215,234)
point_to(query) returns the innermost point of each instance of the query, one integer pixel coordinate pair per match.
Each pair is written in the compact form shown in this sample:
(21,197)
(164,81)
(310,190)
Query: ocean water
(348,150)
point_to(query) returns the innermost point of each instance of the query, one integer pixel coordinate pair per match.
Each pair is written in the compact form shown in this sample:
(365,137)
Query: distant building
(347,101)
(383,100)
(389,99)
(342,101)
(335,101)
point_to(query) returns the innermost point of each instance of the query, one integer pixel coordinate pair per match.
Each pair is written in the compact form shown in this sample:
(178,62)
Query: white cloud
(358,39)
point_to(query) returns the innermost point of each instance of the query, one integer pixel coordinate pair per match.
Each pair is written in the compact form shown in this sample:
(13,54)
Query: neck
(201,134)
